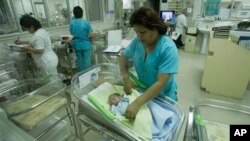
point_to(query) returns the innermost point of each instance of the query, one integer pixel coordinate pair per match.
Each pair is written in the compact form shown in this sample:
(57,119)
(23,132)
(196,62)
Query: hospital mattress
(98,88)
(23,104)
(31,118)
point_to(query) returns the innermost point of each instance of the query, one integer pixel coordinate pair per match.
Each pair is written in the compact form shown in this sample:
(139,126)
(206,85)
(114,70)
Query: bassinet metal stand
(65,56)
(72,115)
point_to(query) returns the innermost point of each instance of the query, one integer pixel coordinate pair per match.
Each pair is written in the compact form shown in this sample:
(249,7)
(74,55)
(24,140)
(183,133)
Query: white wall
(163,6)
(22,7)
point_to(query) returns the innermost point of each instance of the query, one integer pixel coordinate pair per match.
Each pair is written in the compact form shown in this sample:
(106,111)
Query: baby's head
(114,99)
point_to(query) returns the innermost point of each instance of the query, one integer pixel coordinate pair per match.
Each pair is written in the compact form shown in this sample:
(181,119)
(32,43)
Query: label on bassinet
(88,77)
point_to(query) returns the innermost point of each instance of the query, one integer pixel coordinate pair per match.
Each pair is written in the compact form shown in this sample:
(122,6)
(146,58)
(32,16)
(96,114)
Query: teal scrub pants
(83,59)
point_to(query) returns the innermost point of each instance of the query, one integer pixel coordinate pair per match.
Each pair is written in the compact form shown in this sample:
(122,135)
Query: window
(212,7)
(41,13)
(225,9)
(7,20)
(50,13)
(74,3)
(94,14)
(58,12)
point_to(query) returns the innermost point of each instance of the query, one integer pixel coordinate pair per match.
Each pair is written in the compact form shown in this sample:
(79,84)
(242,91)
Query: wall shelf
(176,6)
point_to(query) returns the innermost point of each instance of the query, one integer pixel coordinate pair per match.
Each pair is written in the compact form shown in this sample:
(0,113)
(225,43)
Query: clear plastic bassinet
(84,82)
(210,119)
(39,107)
(9,75)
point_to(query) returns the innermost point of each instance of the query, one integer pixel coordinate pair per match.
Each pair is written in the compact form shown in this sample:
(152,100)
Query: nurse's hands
(132,110)
(19,42)
(127,86)
(26,49)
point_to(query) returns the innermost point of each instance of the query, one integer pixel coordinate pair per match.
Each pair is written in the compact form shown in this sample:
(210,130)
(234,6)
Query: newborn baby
(118,103)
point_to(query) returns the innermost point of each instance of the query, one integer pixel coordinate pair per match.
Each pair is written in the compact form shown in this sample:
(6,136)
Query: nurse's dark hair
(28,21)
(78,12)
(147,17)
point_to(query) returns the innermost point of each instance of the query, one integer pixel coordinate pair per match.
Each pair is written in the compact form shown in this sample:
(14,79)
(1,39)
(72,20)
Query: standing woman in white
(39,46)
(181,27)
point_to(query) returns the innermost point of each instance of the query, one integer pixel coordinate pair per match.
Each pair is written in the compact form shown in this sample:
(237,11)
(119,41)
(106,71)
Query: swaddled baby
(142,124)
(118,103)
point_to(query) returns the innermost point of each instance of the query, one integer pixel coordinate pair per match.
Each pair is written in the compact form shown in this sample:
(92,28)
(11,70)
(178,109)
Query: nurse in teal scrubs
(155,58)
(82,36)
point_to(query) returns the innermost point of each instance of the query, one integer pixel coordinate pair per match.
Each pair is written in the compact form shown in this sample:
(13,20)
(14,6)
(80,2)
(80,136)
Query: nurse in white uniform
(39,46)
(181,26)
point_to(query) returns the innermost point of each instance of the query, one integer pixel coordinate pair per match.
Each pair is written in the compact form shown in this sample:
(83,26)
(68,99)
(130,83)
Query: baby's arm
(114,109)
(125,98)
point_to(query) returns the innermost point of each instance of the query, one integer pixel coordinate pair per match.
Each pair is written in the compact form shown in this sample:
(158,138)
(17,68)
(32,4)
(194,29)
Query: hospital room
(124,70)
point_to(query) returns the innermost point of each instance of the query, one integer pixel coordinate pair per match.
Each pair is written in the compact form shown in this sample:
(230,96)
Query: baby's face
(114,100)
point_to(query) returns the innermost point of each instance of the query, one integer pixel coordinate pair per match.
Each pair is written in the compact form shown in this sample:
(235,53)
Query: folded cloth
(164,121)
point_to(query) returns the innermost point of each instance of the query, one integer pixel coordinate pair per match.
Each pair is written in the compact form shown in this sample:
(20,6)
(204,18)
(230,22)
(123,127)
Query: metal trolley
(210,120)
(66,57)
(83,83)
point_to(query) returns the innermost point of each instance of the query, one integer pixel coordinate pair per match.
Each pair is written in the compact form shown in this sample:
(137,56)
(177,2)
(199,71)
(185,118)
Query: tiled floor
(189,81)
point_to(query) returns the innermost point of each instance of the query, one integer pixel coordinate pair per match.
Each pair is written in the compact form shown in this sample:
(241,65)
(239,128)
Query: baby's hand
(26,49)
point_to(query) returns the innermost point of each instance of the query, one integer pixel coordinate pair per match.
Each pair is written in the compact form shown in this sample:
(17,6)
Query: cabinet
(190,44)
(227,69)
(176,6)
